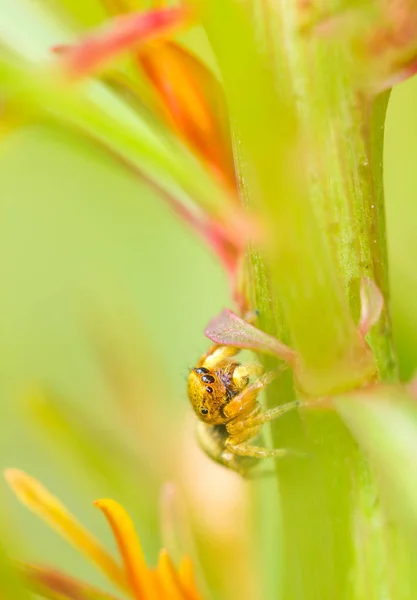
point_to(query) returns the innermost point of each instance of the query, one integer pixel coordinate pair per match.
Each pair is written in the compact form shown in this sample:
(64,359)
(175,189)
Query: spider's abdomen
(212,439)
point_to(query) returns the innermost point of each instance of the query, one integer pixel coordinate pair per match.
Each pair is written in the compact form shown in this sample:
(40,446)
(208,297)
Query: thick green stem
(276,150)
(316,492)
(334,544)
(380,337)
(316,175)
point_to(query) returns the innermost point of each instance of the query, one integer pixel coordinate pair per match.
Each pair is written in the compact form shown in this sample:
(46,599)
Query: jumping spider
(229,414)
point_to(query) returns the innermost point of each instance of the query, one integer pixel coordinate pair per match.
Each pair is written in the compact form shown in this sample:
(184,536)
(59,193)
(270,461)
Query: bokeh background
(104,298)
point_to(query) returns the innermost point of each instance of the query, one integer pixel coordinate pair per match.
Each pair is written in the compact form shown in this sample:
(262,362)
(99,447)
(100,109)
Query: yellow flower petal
(140,580)
(186,575)
(169,579)
(45,505)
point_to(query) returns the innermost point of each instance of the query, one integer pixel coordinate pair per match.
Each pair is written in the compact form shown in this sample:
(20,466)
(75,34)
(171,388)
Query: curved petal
(140,581)
(195,104)
(186,575)
(40,501)
(169,579)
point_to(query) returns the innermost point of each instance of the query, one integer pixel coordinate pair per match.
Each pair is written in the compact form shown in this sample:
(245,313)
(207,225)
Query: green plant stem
(315,492)
(304,273)
(333,543)
(380,338)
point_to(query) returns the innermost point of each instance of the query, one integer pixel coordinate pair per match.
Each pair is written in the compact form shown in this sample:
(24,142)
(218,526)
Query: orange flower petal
(194,103)
(169,579)
(49,582)
(140,580)
(45,505)
(186,575)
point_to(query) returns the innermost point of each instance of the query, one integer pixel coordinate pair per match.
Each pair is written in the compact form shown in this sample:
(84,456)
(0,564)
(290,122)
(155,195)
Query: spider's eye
(201,370)
(204,411)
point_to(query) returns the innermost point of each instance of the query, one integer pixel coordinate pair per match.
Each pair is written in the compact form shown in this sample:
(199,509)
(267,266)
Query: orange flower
(194,102)
(133,577)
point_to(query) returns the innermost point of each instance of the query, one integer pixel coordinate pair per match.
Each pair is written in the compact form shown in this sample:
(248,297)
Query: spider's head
(208,395)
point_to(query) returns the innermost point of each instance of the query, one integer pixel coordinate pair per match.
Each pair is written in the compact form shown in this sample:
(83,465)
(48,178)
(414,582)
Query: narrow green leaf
(384,422)
(385,425)
(30,76)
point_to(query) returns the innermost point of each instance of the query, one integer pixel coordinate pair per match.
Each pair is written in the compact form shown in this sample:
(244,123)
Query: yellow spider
(226,404)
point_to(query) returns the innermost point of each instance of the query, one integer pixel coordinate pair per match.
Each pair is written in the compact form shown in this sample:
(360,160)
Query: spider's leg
(242,373)
(246,427)
(257,473)
(217,355)
(245,401)
(274,413)
(258,451)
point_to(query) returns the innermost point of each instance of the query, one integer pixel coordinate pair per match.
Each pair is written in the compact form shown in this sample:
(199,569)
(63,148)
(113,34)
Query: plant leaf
(384,423)
(228,329)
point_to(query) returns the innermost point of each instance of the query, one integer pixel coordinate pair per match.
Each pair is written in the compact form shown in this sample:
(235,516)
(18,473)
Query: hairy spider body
(226,404)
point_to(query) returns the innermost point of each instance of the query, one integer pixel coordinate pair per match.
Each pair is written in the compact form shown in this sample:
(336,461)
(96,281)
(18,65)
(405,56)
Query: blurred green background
(85,248)
(82,240)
